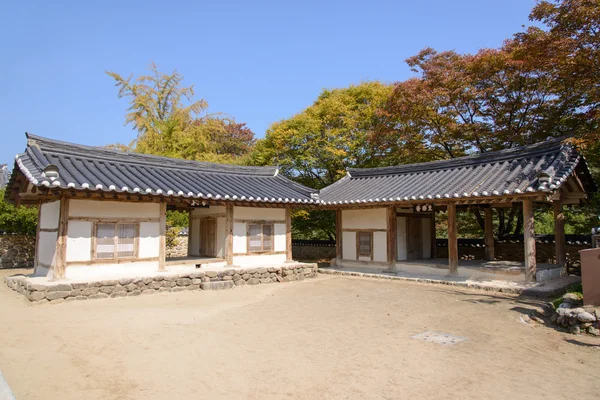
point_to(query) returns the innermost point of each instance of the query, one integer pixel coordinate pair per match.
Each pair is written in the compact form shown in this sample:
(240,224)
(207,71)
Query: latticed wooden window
(365,244)
(116,240)
(260,238)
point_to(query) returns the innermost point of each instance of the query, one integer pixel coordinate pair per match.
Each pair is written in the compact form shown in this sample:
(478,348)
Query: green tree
(169,122)
(19,220)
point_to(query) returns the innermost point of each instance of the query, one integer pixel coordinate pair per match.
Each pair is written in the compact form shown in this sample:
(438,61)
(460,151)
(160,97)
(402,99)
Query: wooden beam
(162,244)
(559,233)
(338,235)
(288,233)
(452,240)
(433,236)
(61,243)
(529,240)
(489,234)
(392,244)
(229,234)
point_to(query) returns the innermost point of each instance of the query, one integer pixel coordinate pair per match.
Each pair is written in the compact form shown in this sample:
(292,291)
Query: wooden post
(433,236)
(559,233)
(61,242)
(229,234)
(452,240)
(338,236)
(529,240)
(288,233)
(489,235)
(37,237)
(392,243)
(189,244)
(162,243)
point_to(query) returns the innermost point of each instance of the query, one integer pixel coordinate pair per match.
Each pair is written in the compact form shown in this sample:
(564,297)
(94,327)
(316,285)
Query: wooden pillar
(338,235)
(433,236)
(229,234)
(529,240)
(162,244)
(37,237)
(189,244)
(392,243)
(288,233)
(559,233)
(489,234)
(452,240)
(60,268)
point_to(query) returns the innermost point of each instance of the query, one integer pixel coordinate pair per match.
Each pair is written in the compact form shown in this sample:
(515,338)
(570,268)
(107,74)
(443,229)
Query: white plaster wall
(426,231)
(373,218)
(113,209)
(79,241)
(47,248)
(194,232)
(259,260)
(49,215)
(257,213)
(108,270)
(349,245)
(149,240)
(380,246)
(279,237)
(239,238)
(401,238)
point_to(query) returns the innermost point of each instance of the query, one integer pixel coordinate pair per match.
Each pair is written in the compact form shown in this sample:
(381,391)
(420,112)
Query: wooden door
(208,237)
(414,238)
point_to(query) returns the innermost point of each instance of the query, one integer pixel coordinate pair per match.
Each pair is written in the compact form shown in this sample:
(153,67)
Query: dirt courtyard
(325,338)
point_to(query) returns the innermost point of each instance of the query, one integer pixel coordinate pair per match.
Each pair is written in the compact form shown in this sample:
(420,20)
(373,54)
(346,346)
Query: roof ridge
(106,154)
(461,162)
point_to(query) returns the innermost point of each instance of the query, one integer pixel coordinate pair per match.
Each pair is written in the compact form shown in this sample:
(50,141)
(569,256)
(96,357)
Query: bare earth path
(328,338)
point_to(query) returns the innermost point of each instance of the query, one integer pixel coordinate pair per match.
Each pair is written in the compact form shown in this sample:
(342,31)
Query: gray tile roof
(56,164)
(541,167)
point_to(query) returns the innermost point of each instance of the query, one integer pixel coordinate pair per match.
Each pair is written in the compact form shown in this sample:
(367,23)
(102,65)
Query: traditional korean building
(386,216)
(103,212)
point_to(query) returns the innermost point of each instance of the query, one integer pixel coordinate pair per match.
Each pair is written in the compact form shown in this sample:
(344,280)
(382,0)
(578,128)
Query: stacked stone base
(197,280)
(575,317)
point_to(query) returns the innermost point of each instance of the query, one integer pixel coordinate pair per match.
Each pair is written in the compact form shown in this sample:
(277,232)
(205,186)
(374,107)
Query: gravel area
(327,338)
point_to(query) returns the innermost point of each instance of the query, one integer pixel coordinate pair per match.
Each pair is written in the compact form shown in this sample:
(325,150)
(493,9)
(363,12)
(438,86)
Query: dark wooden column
(452,240)
(229,234)
(288,233)
(338,235)
(529,240)
(392,243)
(489,234)
(559,233)
(433,236)
(162,245)
(189,244)
(60,268)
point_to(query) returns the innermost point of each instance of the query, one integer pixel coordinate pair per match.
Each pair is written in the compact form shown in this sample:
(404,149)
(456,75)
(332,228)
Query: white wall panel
(49,215)
(112,209)
(240,243)
(47,247)
(374,218)
(79,241)
(349,245)
(279,238)
(257,213)
(149,239)
(380,246)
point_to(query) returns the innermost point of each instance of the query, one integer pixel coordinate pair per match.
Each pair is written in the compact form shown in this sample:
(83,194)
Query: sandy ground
(327,338)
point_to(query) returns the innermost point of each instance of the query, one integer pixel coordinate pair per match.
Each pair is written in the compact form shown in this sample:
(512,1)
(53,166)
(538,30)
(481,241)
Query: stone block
(131,287)
(246,276)
(197,275)
(148,291)
(229,272)
(193,287)
(240,282)
(107,289)
(134,293)
(184,281)
(155,285)
(109,282)
(165,289)
(228,278)
(212,274)
(266,280)
(36,296)
(220,285)
(159,278)
(61,287)
(236,277)
(147,280)
(196,281)
(253,281)
(125,281)
(99,296)
(169,284)
(79,285)
(272,269)
(118,294)
(57,295)
(34,287)
(57,301)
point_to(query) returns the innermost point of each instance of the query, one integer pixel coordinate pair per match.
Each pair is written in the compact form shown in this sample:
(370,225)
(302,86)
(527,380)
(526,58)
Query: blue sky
(258,61)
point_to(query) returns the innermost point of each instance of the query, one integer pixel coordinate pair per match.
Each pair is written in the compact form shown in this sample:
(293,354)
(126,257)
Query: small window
(260,238)
(115,240)
(365,244)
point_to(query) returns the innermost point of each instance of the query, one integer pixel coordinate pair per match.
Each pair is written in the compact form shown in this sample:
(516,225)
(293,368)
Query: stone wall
(313,253)
(515,252)
(179,249)
(55,292)
(17,251)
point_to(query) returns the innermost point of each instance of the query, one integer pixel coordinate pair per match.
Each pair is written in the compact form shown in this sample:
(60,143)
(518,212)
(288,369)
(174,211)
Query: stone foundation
(17,251)
(577,318)
(179,248)
(56,292)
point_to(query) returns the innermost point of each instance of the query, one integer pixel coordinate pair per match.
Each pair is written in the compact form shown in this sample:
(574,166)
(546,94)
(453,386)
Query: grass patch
(575,288)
